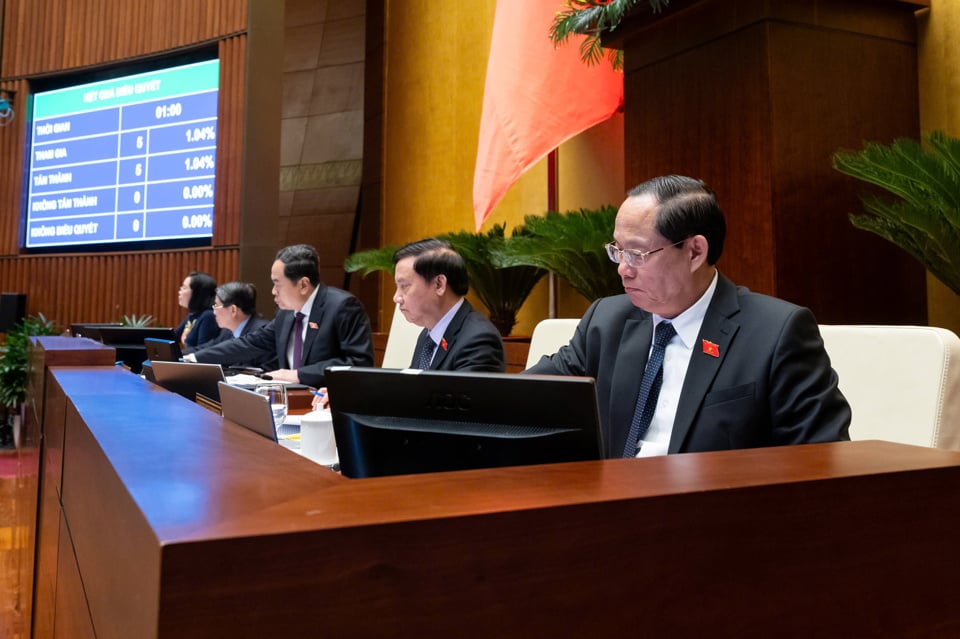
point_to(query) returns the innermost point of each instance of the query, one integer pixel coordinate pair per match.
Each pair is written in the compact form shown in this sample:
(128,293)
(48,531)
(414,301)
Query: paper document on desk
(245,379)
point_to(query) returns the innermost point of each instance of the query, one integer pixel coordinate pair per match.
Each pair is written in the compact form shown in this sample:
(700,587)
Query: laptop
(189,379)
(248,409)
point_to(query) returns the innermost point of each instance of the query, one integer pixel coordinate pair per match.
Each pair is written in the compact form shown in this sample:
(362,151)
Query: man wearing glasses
(686,361)
(235,309)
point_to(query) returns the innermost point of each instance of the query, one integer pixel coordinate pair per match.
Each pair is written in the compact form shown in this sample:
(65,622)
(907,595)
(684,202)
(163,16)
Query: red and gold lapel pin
(711,349)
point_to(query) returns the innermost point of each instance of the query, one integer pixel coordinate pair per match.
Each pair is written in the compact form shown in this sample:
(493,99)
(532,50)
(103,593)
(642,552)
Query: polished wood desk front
(181,525)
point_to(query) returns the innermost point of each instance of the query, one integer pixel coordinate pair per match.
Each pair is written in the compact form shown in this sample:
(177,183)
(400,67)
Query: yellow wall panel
(939,77)
(433,95)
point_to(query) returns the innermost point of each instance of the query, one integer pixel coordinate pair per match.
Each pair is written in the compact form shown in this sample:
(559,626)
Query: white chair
(902,382)
(548,336)
(401,341)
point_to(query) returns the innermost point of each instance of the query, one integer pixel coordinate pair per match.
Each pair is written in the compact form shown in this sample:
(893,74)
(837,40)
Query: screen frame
(459,420)
(52,82)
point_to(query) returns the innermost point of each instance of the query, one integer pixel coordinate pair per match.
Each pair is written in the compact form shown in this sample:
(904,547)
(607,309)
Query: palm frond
(502,289)
(137,320)
(593,18)
(570,245)
(923,216)
(370,261)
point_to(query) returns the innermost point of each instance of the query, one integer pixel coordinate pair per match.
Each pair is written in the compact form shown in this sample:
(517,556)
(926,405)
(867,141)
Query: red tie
(298,340)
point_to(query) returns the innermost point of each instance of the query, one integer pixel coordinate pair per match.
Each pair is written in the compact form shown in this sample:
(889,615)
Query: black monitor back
(91,331)
(128,340)
(163,350)
(393,422)
(133,335)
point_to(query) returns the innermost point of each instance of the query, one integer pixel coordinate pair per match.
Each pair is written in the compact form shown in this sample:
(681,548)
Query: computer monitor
(128,340)
(90,330)
(133,335)
(394,422)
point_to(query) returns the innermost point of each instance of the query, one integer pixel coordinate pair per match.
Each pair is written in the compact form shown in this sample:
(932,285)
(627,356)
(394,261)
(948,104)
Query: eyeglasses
(633,257)
(217,307)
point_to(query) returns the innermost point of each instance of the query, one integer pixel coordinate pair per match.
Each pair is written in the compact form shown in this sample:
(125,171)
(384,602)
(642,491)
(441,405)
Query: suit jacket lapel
(718,328)
(627,375)
(450,335)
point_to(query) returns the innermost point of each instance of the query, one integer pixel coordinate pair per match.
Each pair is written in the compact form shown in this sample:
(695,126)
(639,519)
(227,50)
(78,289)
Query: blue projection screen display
(130,159)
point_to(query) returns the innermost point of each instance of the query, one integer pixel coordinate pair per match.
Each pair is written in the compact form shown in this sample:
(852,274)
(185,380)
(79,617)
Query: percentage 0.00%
(199,221)
(198,191)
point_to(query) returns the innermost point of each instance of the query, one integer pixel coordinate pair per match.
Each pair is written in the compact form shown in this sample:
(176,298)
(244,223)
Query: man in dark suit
(431,283)
(739,369)
(235,309)
(317,325)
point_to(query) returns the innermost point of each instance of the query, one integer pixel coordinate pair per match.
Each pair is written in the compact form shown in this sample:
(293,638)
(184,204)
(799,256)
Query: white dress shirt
(676,359)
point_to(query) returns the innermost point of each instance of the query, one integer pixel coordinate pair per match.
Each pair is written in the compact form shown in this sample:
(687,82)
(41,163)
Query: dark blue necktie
(649,389)
(426,352)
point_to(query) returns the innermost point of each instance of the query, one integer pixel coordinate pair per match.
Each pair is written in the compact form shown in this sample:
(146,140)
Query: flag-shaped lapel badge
(313,325)
(443,344)
(711,349)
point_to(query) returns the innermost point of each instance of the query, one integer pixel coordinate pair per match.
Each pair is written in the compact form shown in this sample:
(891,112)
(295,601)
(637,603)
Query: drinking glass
(277,394)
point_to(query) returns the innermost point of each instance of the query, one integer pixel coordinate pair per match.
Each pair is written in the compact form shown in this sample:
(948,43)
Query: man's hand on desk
(283,375)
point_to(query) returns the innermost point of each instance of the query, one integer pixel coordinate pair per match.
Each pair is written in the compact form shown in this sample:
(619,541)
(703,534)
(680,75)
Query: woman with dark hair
(197,295)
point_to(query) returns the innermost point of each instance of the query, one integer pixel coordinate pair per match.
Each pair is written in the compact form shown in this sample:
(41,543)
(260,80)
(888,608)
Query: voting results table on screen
(127,159)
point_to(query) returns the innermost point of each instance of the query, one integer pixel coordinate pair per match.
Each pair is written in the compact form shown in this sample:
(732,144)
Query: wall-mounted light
(6,106)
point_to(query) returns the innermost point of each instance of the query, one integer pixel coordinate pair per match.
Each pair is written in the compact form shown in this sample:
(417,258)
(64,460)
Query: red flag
(711,349)
(535,98)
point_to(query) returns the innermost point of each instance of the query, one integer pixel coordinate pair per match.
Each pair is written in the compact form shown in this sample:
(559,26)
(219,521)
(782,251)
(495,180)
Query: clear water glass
(277,394)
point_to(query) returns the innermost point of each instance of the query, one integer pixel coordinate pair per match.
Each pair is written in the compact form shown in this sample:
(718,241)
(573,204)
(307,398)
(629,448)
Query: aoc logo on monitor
(441,401)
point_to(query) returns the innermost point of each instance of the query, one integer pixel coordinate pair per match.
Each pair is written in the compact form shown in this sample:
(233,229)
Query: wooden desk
(38,452)
(182,526)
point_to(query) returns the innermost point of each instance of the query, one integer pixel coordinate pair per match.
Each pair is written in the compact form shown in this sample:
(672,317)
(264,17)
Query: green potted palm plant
(501,287)
(571,245)
(923,215)
(13,368)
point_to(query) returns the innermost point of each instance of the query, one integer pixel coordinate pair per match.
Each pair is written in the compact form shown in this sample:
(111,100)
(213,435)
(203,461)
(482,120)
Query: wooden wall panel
(233,52)
(42,37)
(11,163)
(104,287)
(51,35)
(753,97)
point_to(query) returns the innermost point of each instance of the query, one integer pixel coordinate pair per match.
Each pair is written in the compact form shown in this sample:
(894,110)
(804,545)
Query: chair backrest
(902,382)
(401,341)
(548,336)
